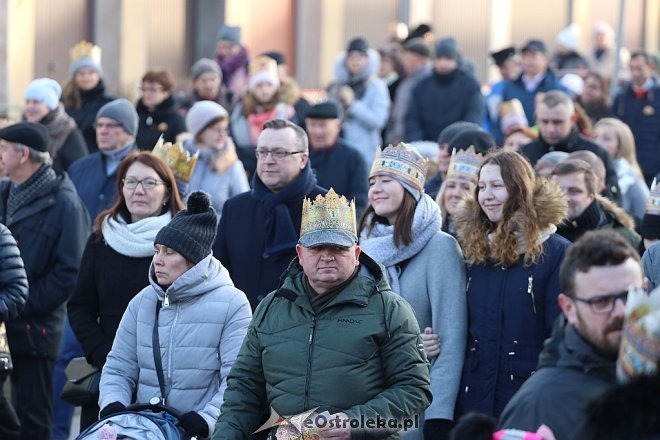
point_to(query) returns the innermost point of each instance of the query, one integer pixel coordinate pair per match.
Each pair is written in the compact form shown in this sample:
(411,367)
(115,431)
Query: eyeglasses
(109,125)
(603,304)
(148,183)
(278,153)
(151,89)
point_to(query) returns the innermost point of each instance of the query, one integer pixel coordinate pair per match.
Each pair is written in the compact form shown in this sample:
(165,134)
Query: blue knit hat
(44,90)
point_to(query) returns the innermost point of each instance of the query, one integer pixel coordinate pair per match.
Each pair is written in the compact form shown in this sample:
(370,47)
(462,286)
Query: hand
(431,343)
(346,96)
(338,427)
(194,424)
(111,408)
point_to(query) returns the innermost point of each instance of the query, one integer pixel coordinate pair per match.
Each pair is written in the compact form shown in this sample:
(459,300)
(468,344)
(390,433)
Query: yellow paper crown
(464,165)
(329,213)
(177,158)
(402,161)
(85,49)
(653,203)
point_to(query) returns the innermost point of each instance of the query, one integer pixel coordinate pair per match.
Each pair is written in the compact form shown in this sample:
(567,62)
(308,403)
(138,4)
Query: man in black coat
(51,225)
(335,164)
(554,116)
(259,229)
(578,362)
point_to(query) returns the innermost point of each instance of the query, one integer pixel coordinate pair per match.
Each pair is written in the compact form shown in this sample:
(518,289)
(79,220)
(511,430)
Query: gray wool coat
(200,333)
(433,282)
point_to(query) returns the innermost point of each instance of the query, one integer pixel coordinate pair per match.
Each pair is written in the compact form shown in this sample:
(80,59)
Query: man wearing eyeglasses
(578,362)
(259,229)
(95,176)
(46,217)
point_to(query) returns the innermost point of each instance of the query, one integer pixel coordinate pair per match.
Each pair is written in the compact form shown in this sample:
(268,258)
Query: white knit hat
(201,113)
(569,37)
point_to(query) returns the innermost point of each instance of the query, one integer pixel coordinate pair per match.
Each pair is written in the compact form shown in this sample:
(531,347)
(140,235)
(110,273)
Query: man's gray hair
(35,156)
(280,124)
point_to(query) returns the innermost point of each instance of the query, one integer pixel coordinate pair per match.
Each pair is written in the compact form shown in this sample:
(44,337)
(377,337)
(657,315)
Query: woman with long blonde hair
(507,232)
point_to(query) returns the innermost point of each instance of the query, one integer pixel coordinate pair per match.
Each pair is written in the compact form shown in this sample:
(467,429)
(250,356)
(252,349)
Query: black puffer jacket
(13,281)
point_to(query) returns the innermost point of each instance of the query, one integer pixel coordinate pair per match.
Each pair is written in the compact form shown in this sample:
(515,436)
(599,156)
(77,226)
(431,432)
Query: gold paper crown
(177,158)
(401,161)
(85,49)
(262,62)
(464,165)
(653,203)
(329,213)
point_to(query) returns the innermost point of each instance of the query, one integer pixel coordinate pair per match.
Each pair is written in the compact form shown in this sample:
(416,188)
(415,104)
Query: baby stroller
(138,422)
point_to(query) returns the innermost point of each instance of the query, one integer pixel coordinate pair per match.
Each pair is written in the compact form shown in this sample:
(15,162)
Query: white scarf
(135,239)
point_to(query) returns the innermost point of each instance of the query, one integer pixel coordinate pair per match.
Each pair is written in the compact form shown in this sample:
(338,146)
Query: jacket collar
(45,199)
(569,144)
(577,353)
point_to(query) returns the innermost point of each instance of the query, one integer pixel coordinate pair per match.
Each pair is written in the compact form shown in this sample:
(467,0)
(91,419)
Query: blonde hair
(626,140)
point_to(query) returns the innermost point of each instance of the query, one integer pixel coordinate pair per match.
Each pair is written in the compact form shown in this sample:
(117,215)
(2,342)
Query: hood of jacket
(549,204)
(574,352)
(343,76)
(207,275)
(616,214)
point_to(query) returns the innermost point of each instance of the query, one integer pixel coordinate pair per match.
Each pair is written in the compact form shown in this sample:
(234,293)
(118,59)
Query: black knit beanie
(192,231)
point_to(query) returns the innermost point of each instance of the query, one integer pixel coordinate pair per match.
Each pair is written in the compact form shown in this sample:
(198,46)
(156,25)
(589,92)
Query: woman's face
(492,193)
(455,191)
(168,265)
(153,94)
(86,78)
(515,141)
(264,92)
(35,110)
(143,202)
(606,138)
(386,196)
(593,90)
(214,136)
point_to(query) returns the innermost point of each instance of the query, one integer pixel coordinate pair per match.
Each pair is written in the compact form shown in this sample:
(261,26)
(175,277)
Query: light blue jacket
(200,333)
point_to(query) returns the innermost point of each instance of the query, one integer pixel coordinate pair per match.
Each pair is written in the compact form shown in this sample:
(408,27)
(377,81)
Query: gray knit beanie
(205,65)
(122,111)
(191,232)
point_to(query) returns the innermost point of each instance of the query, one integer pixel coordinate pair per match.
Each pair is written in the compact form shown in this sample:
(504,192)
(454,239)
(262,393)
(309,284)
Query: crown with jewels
(653,203)
(177,158)
(330,213)
(464,165)
(402,161)
(85,49)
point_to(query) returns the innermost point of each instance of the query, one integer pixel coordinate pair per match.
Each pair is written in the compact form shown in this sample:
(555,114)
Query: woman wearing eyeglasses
(218,170)
(507,232)
(118,255)
(157,110)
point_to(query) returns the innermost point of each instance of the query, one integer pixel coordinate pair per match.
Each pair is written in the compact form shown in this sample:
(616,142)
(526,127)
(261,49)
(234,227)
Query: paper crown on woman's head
(464,165)
(404,163)
(85,54)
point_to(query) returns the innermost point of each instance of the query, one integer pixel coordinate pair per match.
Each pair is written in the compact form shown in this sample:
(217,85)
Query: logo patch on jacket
(348,321)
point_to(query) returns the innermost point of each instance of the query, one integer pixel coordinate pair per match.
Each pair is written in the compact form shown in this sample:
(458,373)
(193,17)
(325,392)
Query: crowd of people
(412,247)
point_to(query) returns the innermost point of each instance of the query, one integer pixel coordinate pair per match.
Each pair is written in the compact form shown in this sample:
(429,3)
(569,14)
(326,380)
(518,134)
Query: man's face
(323,133)
(411,61)
(110,135)
(207,85)
(533,62)
(554,122)
(640,71)
(276,173)
(10,159)
(602,330)
(444,65)
(577,195)
(328,266)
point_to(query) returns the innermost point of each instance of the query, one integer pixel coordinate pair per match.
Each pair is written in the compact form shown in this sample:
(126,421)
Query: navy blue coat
(239,245)
(51,232)
(511,311)
(516,90)
(643,117)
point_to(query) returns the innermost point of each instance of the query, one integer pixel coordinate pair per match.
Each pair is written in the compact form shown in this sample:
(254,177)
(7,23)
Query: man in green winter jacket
(332,340)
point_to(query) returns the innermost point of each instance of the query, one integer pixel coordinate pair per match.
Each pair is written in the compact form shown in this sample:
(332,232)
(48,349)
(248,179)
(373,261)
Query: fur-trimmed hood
(549,203)
(341,72)
(615,212)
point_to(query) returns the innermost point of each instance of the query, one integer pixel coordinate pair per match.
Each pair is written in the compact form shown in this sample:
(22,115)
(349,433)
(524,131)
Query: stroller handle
(137,407)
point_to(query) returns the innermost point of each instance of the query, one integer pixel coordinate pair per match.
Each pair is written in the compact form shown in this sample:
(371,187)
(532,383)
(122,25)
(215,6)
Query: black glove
(112,408)
(437,429)
(194,424)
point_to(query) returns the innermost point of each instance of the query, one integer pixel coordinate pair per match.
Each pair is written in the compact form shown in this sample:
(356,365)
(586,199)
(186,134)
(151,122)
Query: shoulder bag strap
(155,342)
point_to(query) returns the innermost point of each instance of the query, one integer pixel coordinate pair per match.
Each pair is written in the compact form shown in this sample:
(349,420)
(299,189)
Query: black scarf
(23,194)
(281,234)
